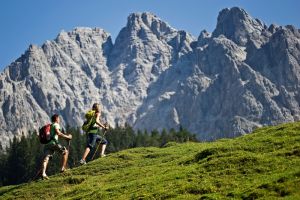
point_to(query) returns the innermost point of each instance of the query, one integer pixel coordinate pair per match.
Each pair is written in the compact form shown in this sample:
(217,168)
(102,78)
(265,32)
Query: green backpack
(90,120)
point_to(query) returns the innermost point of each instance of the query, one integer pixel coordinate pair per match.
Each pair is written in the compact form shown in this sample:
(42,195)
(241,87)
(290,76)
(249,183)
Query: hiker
(92,134)
(54,146)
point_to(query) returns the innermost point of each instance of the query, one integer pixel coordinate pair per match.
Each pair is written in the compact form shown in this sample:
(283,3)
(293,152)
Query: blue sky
(25,22)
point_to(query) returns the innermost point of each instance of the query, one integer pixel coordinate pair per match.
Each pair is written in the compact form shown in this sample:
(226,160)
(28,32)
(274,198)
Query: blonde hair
(96,107)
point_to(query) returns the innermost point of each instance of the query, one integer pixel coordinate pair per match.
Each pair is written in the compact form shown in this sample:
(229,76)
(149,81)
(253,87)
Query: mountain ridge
(241,76)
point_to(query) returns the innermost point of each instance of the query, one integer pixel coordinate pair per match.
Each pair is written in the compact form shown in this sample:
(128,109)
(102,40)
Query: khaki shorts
(50,149)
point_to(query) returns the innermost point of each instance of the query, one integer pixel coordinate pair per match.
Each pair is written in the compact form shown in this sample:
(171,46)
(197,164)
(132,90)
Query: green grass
(261,165)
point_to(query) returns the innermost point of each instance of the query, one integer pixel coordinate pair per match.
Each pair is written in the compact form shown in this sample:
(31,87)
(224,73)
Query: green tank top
(54,136)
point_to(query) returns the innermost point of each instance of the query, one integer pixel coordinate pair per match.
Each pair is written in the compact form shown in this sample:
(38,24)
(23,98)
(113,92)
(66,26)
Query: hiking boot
(102,155)
(45,177)
(82,162)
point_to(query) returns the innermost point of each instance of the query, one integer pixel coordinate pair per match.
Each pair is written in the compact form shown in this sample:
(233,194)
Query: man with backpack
(91,127)
(54,146)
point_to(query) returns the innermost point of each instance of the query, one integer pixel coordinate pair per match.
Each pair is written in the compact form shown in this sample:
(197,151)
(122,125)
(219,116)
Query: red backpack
(44,134)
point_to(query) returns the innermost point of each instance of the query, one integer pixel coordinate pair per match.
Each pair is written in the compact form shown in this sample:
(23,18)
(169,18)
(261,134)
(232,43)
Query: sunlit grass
(264,164)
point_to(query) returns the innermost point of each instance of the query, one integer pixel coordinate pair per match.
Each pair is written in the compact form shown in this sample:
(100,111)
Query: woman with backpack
(91,126)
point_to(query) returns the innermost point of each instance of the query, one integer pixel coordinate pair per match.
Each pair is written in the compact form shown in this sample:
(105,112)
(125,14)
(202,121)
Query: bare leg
(44,165)
(64,160)
(103,147)
(86,153)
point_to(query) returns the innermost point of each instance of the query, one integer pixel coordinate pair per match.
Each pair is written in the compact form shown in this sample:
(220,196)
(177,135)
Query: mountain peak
(236,24)
(203,37)
(236,11)
(147,20)
(87,31)
(141,17)
(138,15)
(81,32)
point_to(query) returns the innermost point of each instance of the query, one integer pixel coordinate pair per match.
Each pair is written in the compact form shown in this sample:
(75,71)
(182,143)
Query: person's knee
(104,142)
(91,145)
(46,159)
(65,152)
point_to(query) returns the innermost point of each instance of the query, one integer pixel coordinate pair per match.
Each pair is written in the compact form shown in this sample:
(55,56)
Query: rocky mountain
(241,76)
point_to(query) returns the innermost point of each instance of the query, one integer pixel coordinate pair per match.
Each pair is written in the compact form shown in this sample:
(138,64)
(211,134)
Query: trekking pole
(38,173)
(69,141)
(99,143)
(69,144)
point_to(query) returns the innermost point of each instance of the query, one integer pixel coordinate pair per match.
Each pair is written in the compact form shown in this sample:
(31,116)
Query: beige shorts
(50,149)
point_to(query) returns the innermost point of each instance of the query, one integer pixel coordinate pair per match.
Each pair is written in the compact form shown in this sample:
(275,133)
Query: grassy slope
(264,164)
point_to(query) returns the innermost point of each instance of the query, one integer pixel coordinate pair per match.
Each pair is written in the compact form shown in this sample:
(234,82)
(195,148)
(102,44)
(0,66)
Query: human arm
(104,126)
(62,135)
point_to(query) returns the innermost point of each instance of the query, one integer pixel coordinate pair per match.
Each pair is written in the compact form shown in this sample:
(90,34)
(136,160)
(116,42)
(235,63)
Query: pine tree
(155,138)
(146,141)
(3,168)
(138,139)
(164,137)
(15,165)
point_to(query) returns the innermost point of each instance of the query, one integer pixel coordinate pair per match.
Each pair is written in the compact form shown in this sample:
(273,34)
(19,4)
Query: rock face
(242,76)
